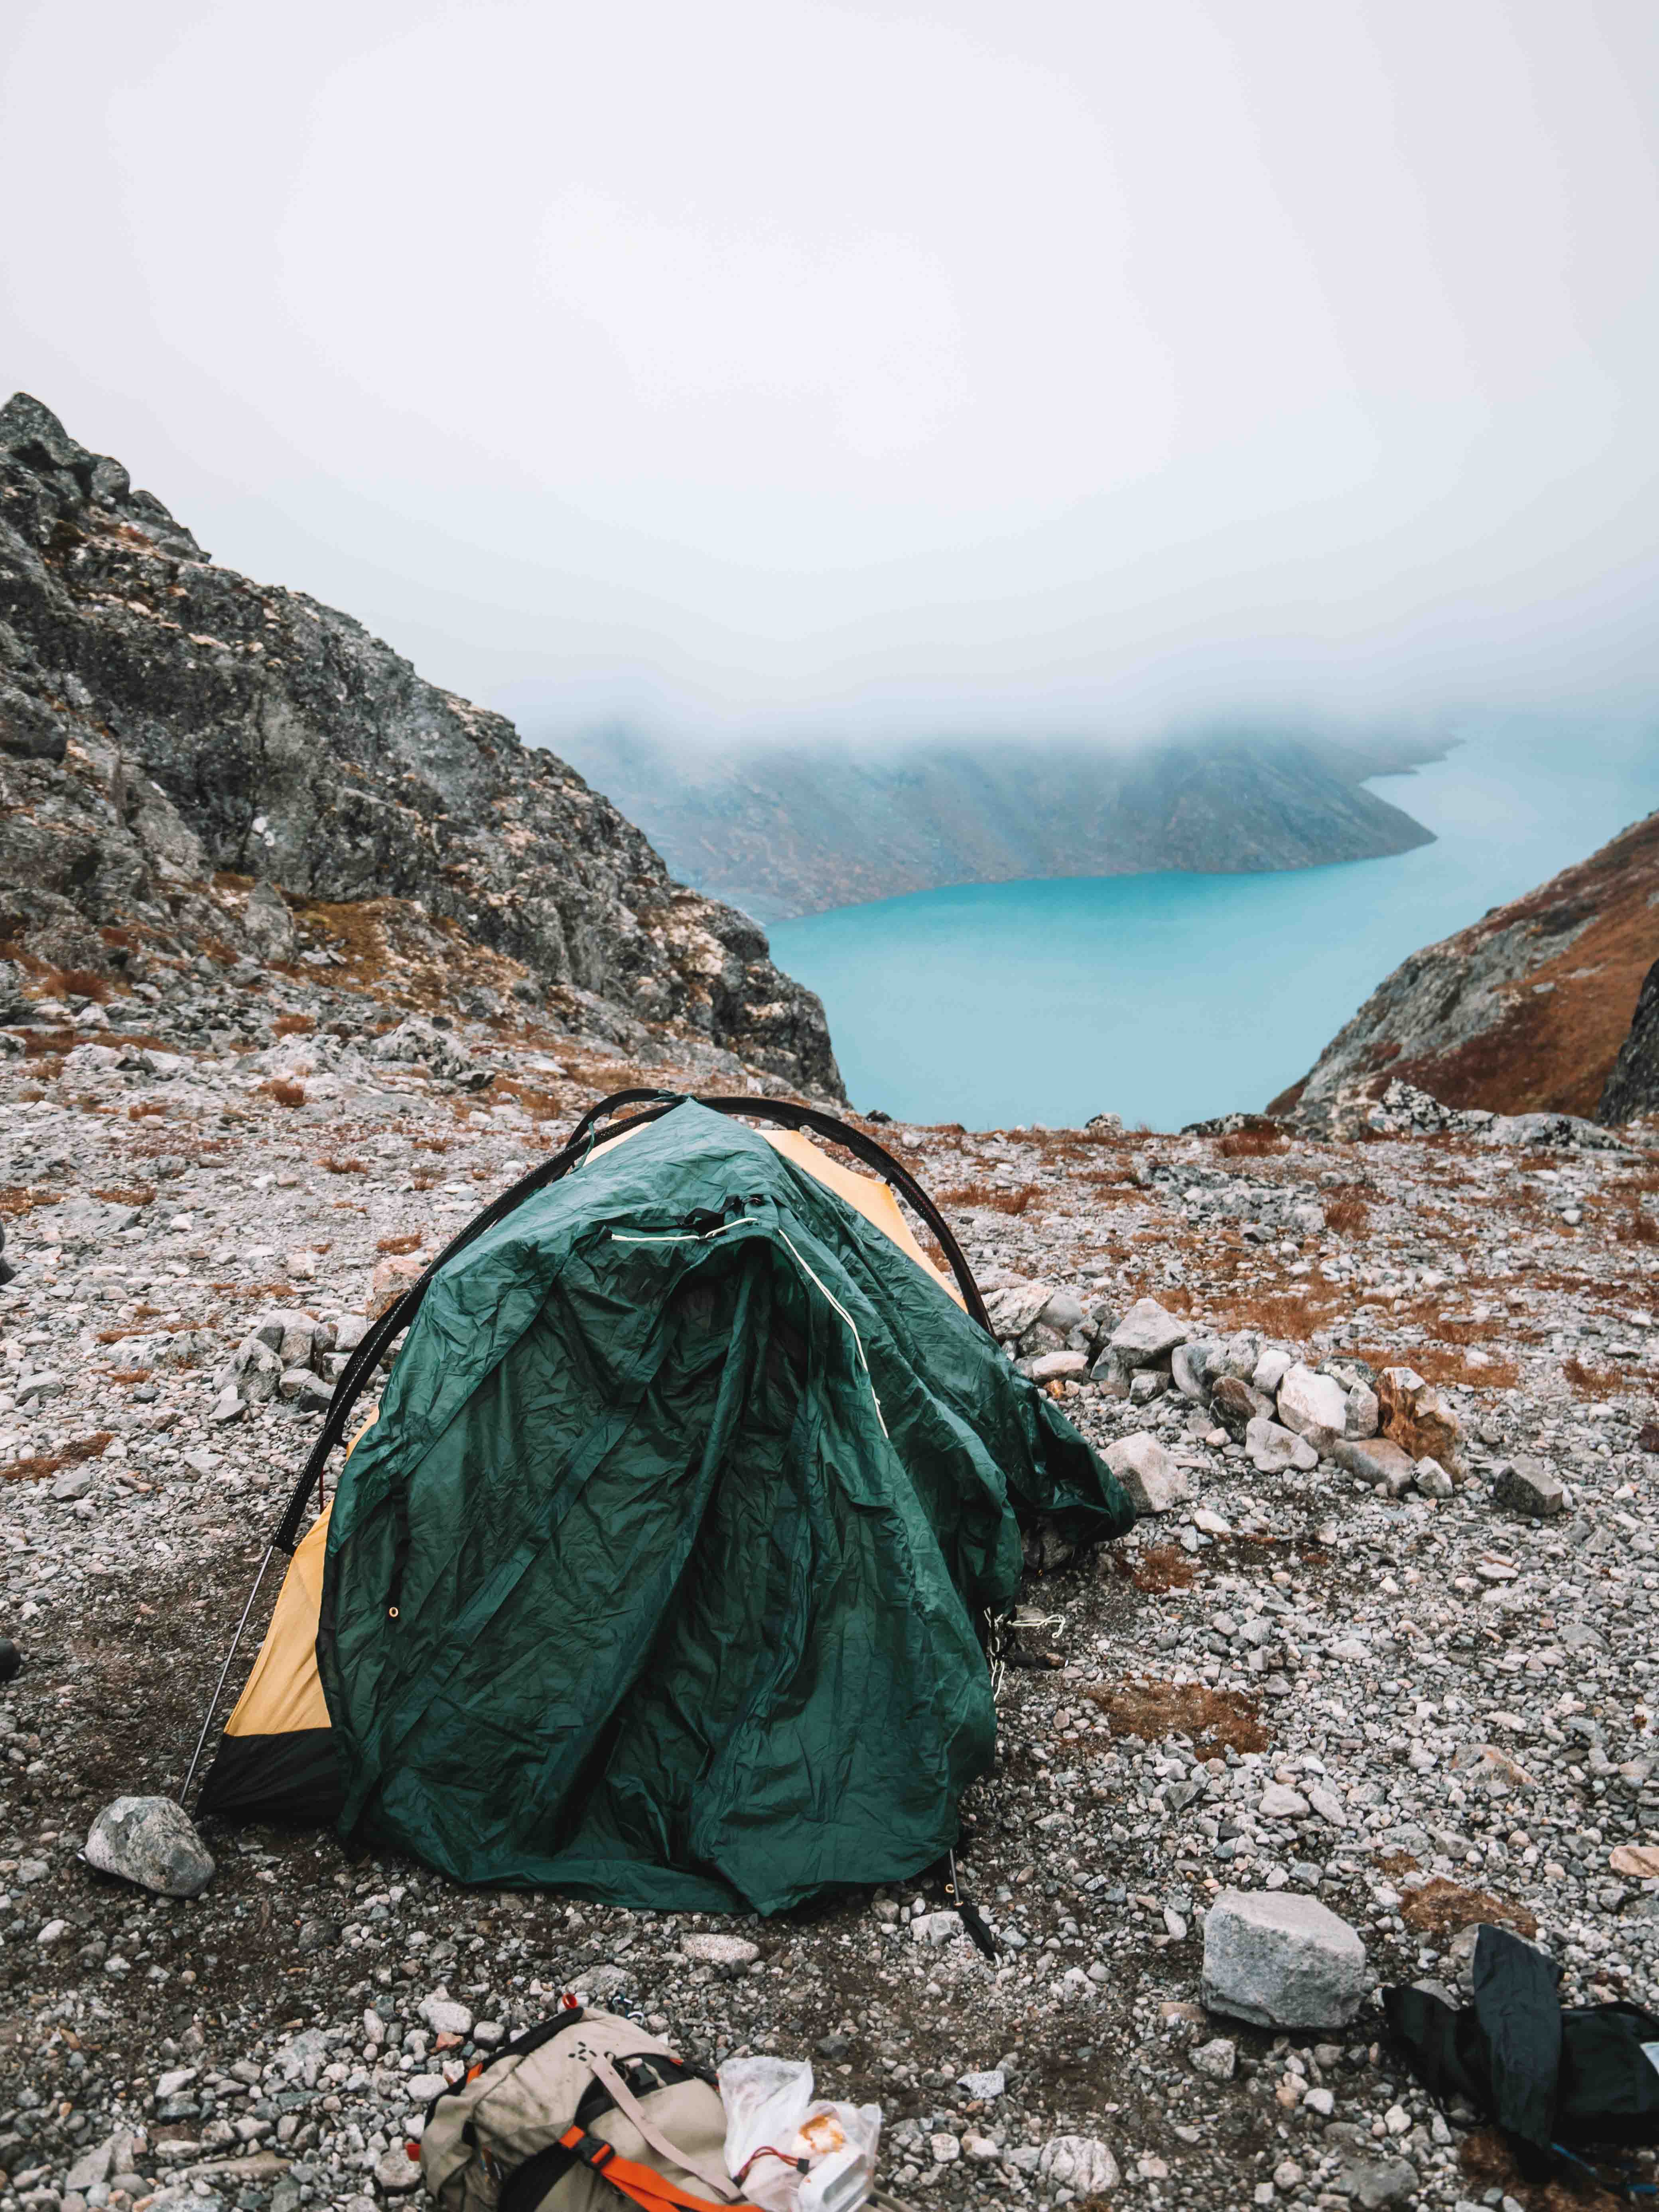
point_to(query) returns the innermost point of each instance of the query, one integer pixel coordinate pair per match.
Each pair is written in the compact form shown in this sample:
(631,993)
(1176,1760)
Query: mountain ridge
(783,831)
(164,719)
(1526,1011)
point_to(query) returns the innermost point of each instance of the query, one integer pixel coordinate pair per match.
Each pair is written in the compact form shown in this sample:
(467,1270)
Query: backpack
(585,2113)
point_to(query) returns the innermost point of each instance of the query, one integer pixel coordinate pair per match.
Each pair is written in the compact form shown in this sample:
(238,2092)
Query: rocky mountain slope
(1526,1011)
(1382,1641)
(171,732)
(786,831)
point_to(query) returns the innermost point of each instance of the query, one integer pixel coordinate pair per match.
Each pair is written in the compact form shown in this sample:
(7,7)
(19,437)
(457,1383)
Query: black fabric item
(1520,2015)
(1579,2077)
(295,1777)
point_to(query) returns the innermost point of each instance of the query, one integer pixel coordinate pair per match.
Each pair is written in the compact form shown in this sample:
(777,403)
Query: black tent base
(294,1776)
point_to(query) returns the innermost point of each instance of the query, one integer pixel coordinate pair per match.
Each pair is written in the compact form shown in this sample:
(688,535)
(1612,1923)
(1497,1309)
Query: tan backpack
(574,2114)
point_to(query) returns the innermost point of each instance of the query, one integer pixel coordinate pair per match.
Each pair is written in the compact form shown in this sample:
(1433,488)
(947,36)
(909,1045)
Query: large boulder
(1281,1960)
(150,1841)
(1152,1480)
(1420,1419)
(1313,1405)
(1147,1334)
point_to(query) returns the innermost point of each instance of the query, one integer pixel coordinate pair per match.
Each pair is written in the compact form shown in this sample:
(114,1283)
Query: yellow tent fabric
(874,1199)
(284,1691)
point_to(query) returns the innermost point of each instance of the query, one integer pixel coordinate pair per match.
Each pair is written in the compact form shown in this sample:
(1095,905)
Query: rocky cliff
(165,722)
(1525,1011)
(786,831)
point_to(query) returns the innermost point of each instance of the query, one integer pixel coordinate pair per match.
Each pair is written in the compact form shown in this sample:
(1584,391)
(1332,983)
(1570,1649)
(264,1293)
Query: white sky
(1059,366)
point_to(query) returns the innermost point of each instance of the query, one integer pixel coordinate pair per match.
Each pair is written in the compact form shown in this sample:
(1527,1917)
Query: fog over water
(791,366)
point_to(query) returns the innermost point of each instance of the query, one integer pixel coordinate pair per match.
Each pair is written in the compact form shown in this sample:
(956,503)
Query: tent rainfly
(667,1570)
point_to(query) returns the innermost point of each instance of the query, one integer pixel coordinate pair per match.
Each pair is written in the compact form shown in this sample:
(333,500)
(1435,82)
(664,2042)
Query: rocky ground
(1376,1668)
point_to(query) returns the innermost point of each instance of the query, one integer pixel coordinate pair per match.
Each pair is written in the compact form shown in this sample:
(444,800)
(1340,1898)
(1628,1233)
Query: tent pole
(230,1656)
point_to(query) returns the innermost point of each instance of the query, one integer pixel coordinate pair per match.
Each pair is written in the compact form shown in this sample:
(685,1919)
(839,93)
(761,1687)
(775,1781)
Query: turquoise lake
(1168,998)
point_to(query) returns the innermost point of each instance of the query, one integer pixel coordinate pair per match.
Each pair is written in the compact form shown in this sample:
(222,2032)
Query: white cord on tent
(747,1221)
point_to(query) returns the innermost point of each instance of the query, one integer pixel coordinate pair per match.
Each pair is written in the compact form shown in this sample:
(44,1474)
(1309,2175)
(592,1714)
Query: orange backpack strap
(650,2189)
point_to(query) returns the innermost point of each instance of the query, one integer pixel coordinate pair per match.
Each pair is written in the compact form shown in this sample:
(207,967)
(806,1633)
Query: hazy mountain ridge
(1528,1010)
(785,831)
(163,718)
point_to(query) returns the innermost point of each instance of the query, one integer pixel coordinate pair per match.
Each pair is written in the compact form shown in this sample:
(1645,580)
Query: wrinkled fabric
(661,1576)
(1581,2076)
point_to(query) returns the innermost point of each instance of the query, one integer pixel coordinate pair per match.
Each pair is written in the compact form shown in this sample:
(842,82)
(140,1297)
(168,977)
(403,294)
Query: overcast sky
(1061,365)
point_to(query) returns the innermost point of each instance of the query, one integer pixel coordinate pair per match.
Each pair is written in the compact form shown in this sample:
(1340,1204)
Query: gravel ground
(1425,1710)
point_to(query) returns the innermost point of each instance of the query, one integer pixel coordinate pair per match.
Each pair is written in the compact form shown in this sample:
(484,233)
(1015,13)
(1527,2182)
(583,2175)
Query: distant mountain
(781,831)
(1527,1011)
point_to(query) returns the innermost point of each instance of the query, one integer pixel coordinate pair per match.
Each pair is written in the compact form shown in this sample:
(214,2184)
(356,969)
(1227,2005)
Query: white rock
(53,1932)
(150,1841)
(1082,2164)
(445,2017)
(1329,1807)
(1432,1479)
(1270,1370)
(1216,2059)
(1146,1333)
(1281,1960)
(1364,1413)
(1152,1481)
(1272,1449)
(1280,1803)
(986,2086)
(1315,1406)
(712,1949)
(1060,1367)
(936,1928)
(396,2172)
(946,2150)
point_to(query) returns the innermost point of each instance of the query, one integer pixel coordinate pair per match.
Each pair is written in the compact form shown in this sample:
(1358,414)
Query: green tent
(666,1572)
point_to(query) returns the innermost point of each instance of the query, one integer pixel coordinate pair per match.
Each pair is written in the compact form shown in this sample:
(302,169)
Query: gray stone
(1373,2183)
(150,1841)
(1363,1416)
(1280,1803)
(1527,1486)
(74,1482)
(986,2087)
(1064,1311)
(1147,1336)
(1187,1362)
(1433,1480)
(1281,1960)
(1272,1449)
(1235,1405)
(1152,1480)
(1216,2059)
(1377,1458)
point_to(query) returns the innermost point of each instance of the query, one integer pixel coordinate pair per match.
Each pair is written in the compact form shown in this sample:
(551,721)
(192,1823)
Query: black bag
(1588,2074)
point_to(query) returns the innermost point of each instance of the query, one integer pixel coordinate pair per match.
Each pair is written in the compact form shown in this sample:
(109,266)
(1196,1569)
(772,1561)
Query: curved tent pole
(398,1316)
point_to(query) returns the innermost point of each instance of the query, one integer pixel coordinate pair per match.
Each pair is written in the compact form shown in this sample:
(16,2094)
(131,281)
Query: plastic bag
(773,2126)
